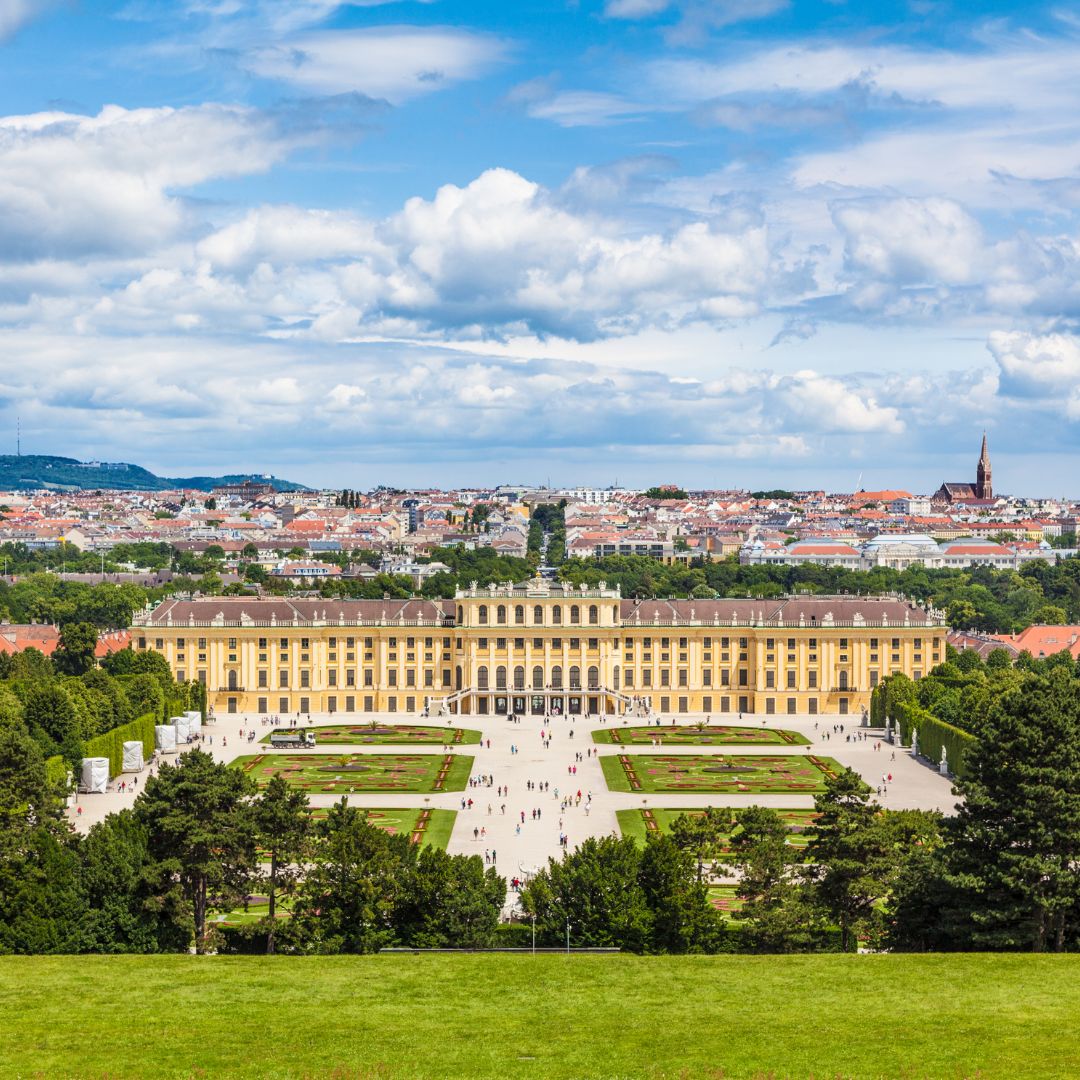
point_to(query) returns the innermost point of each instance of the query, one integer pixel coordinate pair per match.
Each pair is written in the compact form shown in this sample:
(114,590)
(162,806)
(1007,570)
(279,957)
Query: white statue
(943,768)
(915,744)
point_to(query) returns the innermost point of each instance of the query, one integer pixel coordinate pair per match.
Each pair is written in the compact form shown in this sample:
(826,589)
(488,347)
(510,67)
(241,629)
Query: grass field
(381,734)
(541,1018)
(716,774)
(340,774)
(708,735)
(639,823)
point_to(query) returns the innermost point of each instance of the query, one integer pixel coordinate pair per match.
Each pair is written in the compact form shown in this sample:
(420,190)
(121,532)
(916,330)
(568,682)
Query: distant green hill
(34,471)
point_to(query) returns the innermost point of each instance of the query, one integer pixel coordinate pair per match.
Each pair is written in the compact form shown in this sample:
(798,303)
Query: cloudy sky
(718,242)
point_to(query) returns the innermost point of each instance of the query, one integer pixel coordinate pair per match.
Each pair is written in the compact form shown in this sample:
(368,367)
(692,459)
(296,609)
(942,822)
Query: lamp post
(533,916)
(567,937)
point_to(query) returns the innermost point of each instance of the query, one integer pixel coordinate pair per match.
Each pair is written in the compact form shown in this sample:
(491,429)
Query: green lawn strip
(389,734)
(633,823)
(342,774)
(614,773)
(712,735)
(749,774)
(457,777)
(440,826)
(995,1017)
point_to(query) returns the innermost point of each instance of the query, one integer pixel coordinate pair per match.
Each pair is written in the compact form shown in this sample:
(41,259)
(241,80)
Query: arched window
(482,677)
(500,614)
(500,678)
(556,614)
(615,677)
(232,680)
(538,678)
(519,678)
(594,615)
(556,677)
(538,615)
(482,614)
(519,615)
(615,614)
(460,614)
(575,614)
(575,677)
(843,680)
(458,678)
(594,678)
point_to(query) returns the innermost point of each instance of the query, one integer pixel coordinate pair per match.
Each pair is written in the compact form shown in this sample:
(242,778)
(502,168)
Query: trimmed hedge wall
(111,744)
(57,771)
(934,734)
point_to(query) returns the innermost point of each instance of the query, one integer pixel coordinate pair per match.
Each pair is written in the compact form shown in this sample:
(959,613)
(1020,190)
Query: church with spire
(982,491)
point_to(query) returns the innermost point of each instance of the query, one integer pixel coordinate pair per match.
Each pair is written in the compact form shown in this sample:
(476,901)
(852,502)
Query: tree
(282,828)
(1051,615)
(201,835)
(1014,844)
(682,919)
(40,902)
(347,901)
(75,653)
(449,901)
(702,835)
(50,715)
(851,855)
(595,888)
(123,914)
(775,908)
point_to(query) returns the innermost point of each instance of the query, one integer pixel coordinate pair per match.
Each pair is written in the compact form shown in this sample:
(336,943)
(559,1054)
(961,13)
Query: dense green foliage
(29,472)
(92,713)
(548,520)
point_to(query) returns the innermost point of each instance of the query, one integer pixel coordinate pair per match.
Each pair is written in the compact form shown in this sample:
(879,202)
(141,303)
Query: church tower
(984,489)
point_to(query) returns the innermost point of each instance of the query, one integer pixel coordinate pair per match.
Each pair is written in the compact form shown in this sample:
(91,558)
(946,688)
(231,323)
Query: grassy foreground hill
(32,471)
(549,1016)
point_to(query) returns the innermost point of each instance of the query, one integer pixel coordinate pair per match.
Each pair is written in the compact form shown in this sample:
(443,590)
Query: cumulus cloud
(909,241)
(73,184)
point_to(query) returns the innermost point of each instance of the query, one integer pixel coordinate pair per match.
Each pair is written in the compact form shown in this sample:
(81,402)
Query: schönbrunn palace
(537,646)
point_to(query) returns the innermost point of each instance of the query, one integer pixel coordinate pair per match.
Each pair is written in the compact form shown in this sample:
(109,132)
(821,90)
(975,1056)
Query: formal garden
(637,824)
(374,734)
(344,774)
(731,775)
(699,735)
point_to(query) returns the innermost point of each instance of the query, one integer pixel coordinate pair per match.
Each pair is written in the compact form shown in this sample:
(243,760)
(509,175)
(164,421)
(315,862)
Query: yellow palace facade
(541,647)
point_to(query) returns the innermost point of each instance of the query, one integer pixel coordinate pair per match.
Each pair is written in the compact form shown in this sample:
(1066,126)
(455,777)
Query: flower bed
(745,774)
(337,774)
(707,735)
(389,734)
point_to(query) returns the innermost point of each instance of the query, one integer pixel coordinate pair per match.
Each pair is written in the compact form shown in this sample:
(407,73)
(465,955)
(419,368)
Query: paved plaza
(541,751)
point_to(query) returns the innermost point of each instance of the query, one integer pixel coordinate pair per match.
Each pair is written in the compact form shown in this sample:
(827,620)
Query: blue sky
(720,242)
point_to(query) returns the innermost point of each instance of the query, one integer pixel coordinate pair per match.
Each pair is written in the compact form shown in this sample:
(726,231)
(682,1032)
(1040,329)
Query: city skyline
(752,243)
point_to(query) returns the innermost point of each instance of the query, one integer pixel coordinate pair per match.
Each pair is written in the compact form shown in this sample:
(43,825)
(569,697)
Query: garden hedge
(111,744)
(934,735)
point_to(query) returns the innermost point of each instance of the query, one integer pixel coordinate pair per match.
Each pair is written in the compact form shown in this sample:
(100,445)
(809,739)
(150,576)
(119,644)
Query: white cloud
(1037,365)
(586,108)
(72,184)
(390,62)
(697,16)
(14,14)
(910,241)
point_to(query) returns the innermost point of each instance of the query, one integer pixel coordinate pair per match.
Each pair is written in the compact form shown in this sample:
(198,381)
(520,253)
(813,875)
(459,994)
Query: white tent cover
(195,721)
(165,738)
(183,728)
(133,756)
(95,774)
